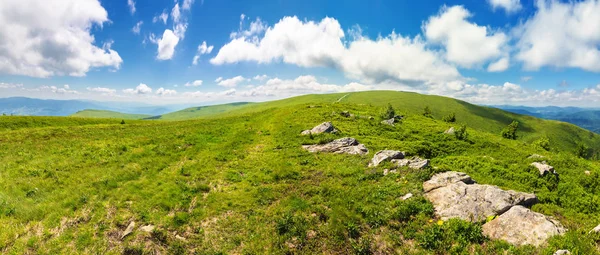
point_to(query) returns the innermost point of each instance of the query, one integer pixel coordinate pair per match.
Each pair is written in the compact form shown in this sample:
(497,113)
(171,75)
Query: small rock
(128,230)
(407,196)
(148,228)
(445,178)
(521,226)
(535,156)
(345,145)
(180,237)
(371,118)
(543,168)
(562,252)
(389,122)
(385,155)
(596,229)
(311,234)
(345,114)
(449,131)
(325,127)
(414,163)
(385,172)
(588,173)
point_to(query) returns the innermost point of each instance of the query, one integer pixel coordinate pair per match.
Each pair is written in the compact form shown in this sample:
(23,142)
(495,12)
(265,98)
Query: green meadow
(233,179)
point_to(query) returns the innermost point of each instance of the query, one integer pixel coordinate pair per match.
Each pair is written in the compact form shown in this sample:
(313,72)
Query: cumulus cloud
(102,90)
(499,66)
(131,5)
(138,26)
(165,92)
(321,44)
(166,44)
(467,44)
(10,85)
(139,90)
(232,82)
(42,38)
(58,90)
(164,16)
(260,77)
(561,35)
(202,49)
(195,83)
(509,6)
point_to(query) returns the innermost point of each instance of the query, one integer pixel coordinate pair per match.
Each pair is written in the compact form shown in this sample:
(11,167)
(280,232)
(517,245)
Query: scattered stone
(389,122)
(148,228)
(325,127)
(588,173)
(388,171)
(521,226)
(180,237)
(562,252)
(445,178)
(475,202)
(345,145)
(371,118)
(596,229)
(345,114)
(311,234)
(407,196)
(414,163)
(536,156)
(544,168)
(128,230)
(385,155)
(449,131)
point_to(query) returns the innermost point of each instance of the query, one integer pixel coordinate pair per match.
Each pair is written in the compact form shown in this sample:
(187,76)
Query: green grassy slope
(563,135)
(90,113)
(201,111)
(26,122)
(243,185)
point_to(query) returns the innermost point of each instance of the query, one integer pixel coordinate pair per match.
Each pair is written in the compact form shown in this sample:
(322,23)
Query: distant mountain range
(588,118)
(48,107)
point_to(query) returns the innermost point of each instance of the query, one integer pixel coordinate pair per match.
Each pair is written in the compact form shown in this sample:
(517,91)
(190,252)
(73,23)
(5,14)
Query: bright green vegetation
(242,184)
(108,114)
(201,111)
(26,122)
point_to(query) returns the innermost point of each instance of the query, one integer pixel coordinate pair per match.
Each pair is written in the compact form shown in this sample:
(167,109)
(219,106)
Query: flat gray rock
(562,252)
(325,127)
(389,122)
(445,178)
(128,230)
(385,155)
(414,162)
(345,145)
(521,226)
(450,131)
(543,168)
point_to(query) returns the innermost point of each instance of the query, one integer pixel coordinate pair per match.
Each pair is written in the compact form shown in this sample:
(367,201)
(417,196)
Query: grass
(241,183)
(201,111)
(88,113)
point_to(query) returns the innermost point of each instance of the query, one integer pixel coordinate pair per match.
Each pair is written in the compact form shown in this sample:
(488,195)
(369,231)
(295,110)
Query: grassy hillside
(26,122)
(243,185)
(564,136)
(90,113)
(201,111)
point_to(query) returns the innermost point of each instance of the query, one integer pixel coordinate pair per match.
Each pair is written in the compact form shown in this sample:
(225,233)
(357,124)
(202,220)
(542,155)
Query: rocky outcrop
(450,131)
(596,229)
(445,178)
(562,252)
(389,122)
(521,226)
(414,163)
(325,127)
(474,202)
(543,167)
(345,145)
(385,155)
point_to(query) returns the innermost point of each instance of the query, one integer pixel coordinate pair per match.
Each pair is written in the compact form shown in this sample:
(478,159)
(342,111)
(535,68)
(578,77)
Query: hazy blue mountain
(587,118)
(48,107)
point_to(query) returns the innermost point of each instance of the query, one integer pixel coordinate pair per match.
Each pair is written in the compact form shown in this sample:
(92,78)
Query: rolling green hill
(201,111)
(89,113)
(240,183)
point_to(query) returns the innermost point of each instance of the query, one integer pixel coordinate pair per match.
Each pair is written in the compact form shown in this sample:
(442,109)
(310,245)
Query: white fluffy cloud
(165,92)
(10,85)
(102,90)
(187,4)
(166,44)
(131,5)
(499,66)
(170,38)
(195,83)
(202,49)
(45,38)
(320,44)
(176,13)
(57,90)
(561,35)
(139,90)
(232,82)
(509,6)
(164,16)
(467,44)
(137,28)
(260,77)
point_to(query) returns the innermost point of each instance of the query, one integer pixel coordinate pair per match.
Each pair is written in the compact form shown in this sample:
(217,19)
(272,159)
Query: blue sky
(488,52)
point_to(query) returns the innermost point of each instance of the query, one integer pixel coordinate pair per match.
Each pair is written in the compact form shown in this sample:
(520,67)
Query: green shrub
(453,236)
(461,133)
(427,112)
(583,151)
(510,132)
(450,118)
(542,143)
(122,122)
(389,112)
